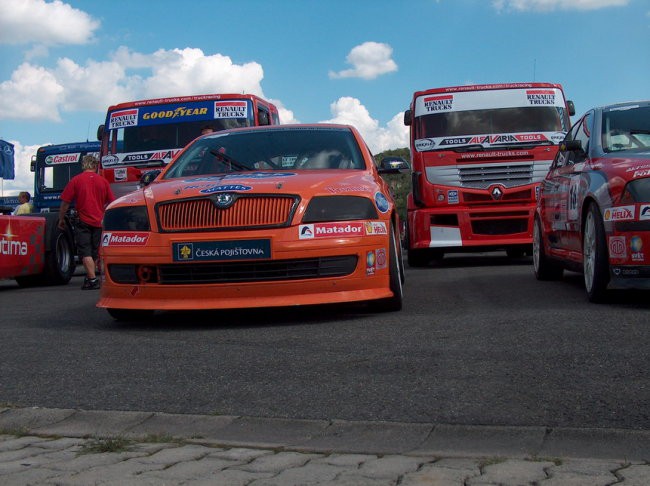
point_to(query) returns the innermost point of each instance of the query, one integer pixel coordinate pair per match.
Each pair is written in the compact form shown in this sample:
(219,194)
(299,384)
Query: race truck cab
(478,156)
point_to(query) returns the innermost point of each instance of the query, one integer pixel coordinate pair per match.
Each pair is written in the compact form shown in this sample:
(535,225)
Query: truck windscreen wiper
(477,147)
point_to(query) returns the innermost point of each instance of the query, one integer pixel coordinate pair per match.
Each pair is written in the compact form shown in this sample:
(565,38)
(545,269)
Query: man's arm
(64,209)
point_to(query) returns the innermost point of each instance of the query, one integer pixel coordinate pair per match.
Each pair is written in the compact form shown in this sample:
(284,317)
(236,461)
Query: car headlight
(126,218)
(339,208)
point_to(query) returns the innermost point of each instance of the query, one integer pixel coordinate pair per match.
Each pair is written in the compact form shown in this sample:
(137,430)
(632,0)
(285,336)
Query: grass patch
(490,461)
(160,439)
(111,444)
(555,460)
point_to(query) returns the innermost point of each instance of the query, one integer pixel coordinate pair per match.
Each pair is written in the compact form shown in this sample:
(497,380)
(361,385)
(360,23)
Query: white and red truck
(478,155)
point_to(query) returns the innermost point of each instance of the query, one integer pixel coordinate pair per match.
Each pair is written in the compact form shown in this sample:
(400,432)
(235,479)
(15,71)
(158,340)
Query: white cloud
(24,180)
(36,92)
(53,23)
(32,93)
(369,60)
(350,111)
(550,5)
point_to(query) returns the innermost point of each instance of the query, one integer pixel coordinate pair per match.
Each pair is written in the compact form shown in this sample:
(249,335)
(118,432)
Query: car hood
(627,166)
(304,183)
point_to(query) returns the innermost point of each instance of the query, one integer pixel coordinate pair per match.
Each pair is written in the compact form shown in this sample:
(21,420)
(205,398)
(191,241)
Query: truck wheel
(130,315)
(543,267)
(59,255)
(394,303)
(594,254)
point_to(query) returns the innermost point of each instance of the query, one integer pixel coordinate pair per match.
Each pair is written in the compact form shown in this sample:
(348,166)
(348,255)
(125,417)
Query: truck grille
(258,271)
(482,176)
(246,212)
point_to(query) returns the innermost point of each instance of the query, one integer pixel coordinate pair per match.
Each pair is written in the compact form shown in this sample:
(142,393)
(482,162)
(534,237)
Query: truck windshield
(492,121)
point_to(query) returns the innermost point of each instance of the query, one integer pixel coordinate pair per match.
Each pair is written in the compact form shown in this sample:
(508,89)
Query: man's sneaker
(90,284)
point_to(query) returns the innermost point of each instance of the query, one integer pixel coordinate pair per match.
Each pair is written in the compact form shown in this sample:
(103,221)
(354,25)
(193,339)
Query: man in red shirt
(90,193)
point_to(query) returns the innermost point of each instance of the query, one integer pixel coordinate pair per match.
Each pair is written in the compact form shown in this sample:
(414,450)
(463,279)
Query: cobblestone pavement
(77,448)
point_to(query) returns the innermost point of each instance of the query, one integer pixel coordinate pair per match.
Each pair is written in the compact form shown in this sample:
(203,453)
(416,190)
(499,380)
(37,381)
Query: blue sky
(354,61)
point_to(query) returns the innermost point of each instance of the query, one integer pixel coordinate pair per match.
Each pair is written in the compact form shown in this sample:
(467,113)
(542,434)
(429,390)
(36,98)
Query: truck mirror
(32,164)
(571,107)
(148,177)
(100,132)
(407,117)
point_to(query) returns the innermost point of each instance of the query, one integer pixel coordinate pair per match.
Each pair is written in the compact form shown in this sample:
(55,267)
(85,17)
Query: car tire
(59,258)
(544,268)
(594,256)
(130,315)
(395,271)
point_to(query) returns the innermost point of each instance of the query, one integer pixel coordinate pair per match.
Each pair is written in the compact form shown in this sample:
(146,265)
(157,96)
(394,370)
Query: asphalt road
(479,342)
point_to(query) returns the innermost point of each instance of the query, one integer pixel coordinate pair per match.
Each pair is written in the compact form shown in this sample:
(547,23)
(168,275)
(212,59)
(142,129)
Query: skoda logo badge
(224,200)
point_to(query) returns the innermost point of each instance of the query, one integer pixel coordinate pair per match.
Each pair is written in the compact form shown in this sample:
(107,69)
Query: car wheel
(394,303)
(594,254)
(543,267)
(130,315)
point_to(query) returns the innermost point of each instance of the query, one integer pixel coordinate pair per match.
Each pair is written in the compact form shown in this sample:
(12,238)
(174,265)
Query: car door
(555,195)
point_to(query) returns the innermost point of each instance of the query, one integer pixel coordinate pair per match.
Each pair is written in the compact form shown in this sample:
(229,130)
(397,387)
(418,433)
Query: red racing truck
(478,156)
(142,136)
(34,251)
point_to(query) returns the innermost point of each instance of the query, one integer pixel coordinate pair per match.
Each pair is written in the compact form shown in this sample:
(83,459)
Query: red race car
(593,213)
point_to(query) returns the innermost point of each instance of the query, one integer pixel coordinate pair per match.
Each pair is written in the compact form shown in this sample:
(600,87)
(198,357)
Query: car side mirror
(148,177)
(100,132)
(571,146)
(393,166)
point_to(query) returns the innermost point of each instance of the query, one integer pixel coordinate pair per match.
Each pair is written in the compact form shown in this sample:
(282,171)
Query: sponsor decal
(109,160)
(424,144)
(433,104)
(636,245)
(10,246)
(329,230)
(224,188)
(306,231)
(382,203)
(178,112)
(251,175)
(230,109)
(339,190)
(617,247)
(557,137)
(452,197)
(124,239)
(370,263)
(120,174)
(638,167)
(123,118)
(644,211)
(222,250)
(641,173)
(620,213)
(455,141)
(626,272)
(62,159)
(540,96)
(375,228)
(381,258)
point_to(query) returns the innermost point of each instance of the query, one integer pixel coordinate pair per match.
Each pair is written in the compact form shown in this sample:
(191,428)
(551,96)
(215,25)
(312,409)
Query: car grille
(245,212)
(258,271)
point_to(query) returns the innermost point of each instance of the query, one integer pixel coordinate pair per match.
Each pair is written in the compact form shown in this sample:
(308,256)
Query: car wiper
(515,146)
(229,160)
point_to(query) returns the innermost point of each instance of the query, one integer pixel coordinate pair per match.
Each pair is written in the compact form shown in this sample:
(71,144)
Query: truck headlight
(126,218)
(339,208)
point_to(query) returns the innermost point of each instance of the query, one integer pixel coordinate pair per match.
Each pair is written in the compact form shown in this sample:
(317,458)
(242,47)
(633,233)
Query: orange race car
(256,217)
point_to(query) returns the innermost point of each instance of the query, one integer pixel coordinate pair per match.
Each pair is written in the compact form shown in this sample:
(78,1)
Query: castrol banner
(62,159)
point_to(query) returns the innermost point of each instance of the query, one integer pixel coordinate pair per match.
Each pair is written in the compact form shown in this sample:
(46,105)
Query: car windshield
(281,149)
(626,128)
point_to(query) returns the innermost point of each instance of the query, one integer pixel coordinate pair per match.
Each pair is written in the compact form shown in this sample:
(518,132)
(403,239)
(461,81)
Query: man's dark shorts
(88,240)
